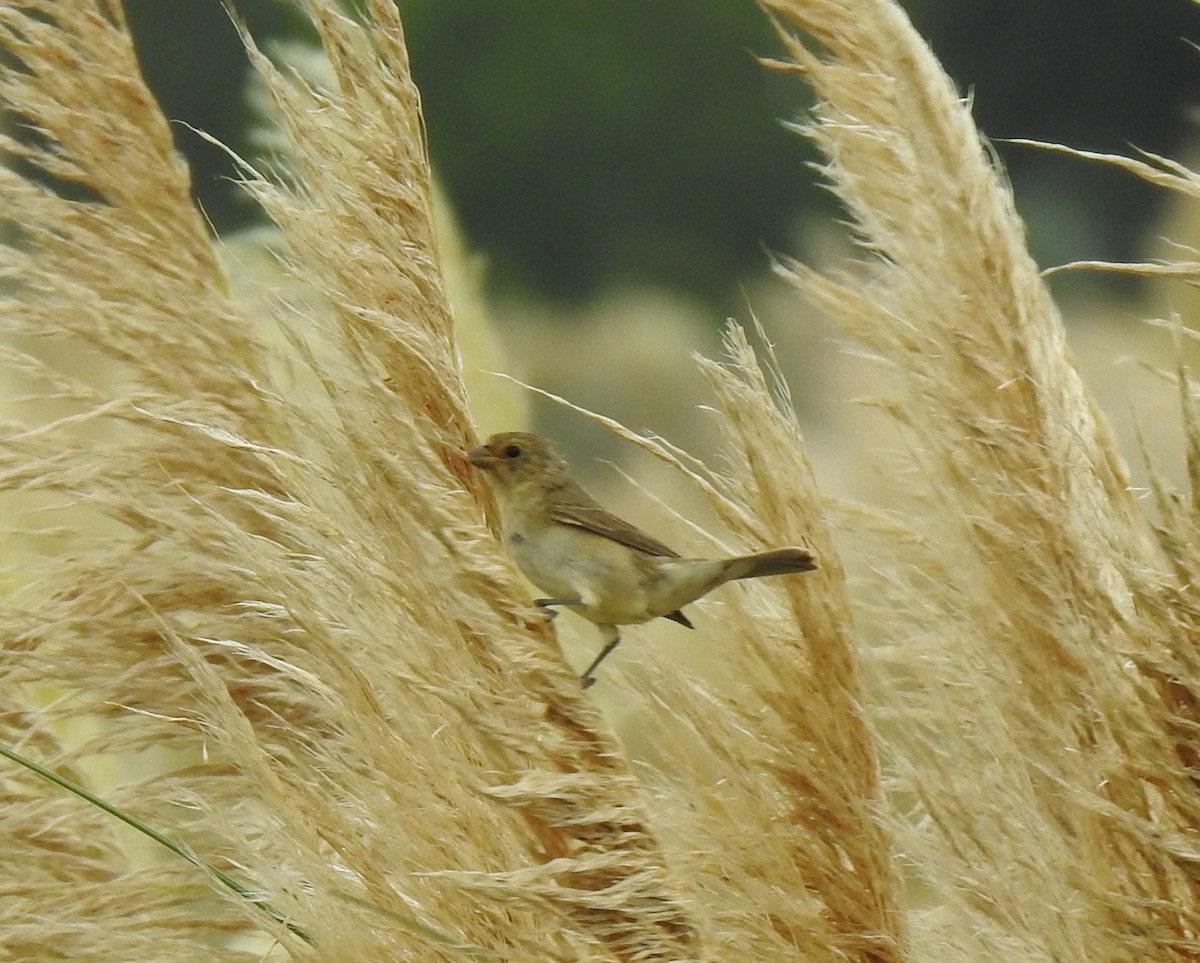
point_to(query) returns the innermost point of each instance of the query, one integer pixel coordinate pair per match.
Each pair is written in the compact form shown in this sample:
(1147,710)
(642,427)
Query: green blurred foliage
(635,138)
(588,145)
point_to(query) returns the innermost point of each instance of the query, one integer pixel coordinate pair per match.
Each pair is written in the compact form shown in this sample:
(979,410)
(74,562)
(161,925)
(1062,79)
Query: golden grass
(1028,600)
(255,602)
(294,591)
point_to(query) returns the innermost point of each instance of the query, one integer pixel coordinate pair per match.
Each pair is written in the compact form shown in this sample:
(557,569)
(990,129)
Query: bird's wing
(583,511)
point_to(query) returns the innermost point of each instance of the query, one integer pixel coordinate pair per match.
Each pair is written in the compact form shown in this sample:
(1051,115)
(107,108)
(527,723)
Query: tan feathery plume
(286,597)
(1043,779)
(264,613)
(763,768)
(831,773)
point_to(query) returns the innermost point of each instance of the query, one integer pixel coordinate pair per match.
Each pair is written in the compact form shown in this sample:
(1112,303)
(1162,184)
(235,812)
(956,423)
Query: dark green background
(587,144)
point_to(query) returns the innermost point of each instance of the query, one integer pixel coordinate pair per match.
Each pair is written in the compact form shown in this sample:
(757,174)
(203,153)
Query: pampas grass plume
(254,600)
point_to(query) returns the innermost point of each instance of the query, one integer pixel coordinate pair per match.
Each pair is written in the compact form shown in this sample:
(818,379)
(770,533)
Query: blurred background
(621,171)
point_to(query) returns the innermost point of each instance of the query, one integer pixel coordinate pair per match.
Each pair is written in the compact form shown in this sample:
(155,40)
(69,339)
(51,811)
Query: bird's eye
(512,451)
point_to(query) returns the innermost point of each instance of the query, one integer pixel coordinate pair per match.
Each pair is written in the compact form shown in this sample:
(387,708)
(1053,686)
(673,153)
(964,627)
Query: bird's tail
(778,561)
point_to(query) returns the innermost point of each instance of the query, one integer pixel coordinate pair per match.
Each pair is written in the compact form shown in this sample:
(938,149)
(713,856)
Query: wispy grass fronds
(1153,169)
(823,753)
(767,789)
(257,605)
(270,620)
(1041,764)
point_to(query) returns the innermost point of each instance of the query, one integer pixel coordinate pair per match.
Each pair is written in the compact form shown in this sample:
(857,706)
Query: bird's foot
(551,615)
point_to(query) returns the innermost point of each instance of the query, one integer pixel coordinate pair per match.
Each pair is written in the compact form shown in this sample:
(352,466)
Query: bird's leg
(546,603)
(613,637)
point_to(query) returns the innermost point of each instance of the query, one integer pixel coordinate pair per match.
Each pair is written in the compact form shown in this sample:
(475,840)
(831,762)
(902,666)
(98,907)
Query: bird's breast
(613,582)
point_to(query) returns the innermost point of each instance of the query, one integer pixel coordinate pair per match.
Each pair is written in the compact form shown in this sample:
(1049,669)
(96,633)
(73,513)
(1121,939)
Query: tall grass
(288,581)
(1038,671)
(253,599)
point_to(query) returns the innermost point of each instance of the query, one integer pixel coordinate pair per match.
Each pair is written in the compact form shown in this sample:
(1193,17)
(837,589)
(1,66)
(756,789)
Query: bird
(591,561)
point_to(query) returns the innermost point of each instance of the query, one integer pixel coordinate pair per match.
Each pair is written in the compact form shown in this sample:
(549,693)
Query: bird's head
(514,458)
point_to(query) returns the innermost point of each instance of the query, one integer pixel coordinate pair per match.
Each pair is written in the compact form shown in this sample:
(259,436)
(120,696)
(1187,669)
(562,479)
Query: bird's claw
(545,604)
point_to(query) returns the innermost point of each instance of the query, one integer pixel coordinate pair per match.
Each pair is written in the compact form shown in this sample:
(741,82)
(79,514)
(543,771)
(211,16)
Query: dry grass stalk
(767,788)
(1044,771)
(300,585)
(828,773)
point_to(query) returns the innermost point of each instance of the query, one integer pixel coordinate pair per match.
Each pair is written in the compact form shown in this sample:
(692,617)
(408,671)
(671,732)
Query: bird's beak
(481,457)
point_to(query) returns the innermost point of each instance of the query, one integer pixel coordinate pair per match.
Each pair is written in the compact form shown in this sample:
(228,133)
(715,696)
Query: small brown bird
(605,569)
